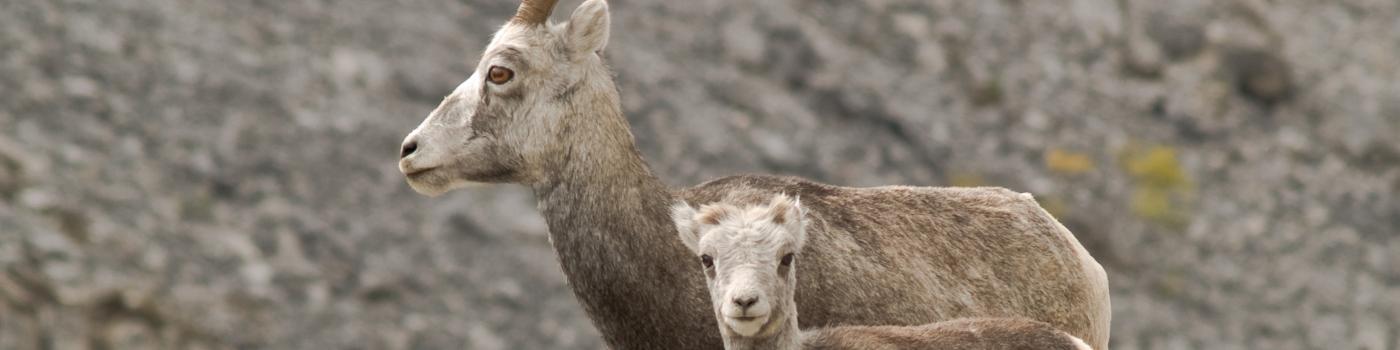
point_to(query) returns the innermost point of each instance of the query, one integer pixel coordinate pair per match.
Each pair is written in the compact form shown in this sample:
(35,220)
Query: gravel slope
(221,175)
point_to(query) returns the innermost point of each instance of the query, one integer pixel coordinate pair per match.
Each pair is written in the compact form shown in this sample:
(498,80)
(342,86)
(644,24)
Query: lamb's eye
(707,261)
(787,259)
(499,75)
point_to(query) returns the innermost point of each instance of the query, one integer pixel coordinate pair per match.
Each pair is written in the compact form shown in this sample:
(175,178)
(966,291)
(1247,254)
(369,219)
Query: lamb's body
(962,334)
(917,255)
(748,252)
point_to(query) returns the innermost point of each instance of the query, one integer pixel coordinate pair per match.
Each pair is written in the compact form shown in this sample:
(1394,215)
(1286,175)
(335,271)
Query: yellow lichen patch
(1157,167)
(1152,203)
(1162,191)
(1068,163)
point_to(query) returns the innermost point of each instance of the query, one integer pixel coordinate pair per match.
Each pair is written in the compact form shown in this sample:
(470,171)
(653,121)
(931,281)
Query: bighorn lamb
(541,110)
(749,255)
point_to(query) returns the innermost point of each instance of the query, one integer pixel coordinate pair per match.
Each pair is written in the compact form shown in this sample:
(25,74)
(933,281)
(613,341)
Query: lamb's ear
(587,31)
(684,216)
(714,213)
(786,212)
(780,210)
(799,224)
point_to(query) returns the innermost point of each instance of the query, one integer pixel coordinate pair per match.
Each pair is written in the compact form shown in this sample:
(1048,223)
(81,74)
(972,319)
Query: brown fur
(963,334)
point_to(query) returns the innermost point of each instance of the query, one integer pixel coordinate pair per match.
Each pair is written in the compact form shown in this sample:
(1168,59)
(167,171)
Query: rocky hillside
(211,175)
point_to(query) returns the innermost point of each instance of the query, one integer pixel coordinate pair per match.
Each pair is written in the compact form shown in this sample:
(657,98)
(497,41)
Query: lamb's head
(749,258)
(509,120)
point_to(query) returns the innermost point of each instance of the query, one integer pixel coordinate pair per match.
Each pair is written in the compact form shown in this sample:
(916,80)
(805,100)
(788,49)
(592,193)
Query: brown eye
(707,261)
(787,259)
(499,75)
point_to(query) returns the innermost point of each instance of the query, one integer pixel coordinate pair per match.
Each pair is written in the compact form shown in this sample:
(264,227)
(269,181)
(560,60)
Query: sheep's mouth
(747,317)
(747,326)
(426,181)
(417,172)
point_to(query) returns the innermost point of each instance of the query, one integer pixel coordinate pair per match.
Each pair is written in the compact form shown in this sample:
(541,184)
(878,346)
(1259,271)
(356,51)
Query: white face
(500,124)
(749,258)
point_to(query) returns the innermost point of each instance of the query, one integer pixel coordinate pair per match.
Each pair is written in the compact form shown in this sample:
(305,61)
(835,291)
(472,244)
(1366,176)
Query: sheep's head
(509,120)
(749,256)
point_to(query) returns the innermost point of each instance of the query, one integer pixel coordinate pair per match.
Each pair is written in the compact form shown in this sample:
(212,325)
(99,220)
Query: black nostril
(408,148)
(746,302)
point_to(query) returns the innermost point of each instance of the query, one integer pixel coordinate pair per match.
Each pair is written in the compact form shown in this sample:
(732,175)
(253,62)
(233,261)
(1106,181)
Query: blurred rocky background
(221,174)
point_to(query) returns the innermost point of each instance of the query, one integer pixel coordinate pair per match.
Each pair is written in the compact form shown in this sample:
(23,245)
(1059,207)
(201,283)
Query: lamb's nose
(408,148)
(745,303)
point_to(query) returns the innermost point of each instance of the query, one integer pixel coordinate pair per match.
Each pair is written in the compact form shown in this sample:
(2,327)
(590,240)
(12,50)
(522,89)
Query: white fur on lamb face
(747,246)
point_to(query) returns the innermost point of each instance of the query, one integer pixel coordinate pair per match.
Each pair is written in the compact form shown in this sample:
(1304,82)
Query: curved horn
(534,11)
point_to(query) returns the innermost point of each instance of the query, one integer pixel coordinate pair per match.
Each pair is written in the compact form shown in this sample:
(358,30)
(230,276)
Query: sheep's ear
(684,216)
(587,31)
(713,214)
(781,210)
(799,224)
(786,212)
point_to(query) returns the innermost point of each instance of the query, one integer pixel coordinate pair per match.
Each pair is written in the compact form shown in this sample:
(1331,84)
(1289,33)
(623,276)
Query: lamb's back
(962,334)
(908,255)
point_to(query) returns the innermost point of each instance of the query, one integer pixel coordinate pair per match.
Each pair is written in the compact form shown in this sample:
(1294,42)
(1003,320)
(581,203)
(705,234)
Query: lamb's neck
(786,337)
(769,343)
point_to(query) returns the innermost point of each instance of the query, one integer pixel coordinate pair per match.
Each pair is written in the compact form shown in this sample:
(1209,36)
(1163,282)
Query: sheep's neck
(786,337)
(609,221)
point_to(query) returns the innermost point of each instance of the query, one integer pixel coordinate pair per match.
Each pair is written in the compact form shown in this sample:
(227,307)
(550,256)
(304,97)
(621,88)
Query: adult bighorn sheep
(541,110)
(750,255)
